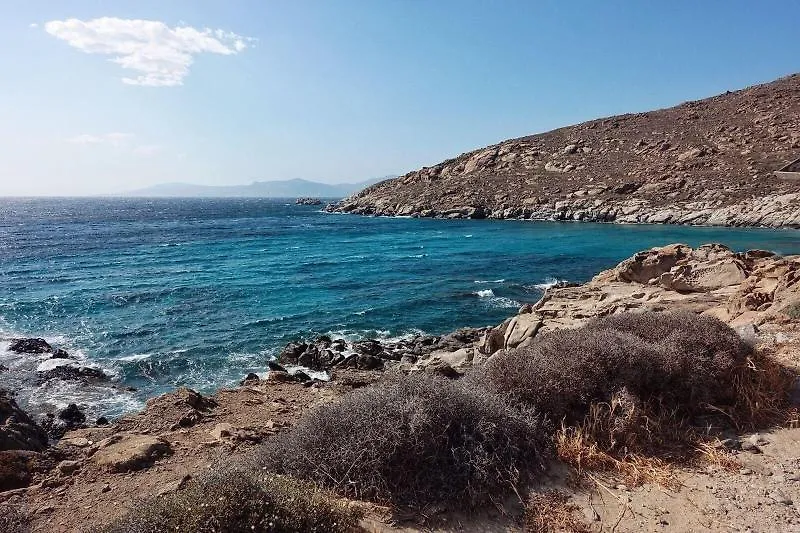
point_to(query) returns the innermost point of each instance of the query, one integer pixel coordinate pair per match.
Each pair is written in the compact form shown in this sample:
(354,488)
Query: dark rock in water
(369,362)
(32,346)
(368,347)
(324,340)
(272,365)
(73,373)
(308,201)
(16,468)
(301,376)
(17,430)
(3,368)
(102,421)
(292,352)
(60,354)
(72,415)
(339,345)
(252,378)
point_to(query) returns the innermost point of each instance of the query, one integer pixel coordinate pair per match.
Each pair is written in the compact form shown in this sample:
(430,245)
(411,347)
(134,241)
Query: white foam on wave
(547,283)
(485,293)
(135,357)
(483,281)
(50,364)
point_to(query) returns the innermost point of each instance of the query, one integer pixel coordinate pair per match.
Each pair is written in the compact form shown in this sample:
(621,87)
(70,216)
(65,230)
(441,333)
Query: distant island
(294,188)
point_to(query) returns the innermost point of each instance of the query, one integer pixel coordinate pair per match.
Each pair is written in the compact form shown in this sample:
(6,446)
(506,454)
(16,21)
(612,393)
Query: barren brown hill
(708,162)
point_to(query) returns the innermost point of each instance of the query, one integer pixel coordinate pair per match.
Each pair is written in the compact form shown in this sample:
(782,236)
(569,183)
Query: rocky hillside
(704,162)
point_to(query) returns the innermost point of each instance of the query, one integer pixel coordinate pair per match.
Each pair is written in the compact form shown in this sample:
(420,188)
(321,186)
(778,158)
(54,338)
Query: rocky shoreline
(177,435)
(772,211)
(709,162)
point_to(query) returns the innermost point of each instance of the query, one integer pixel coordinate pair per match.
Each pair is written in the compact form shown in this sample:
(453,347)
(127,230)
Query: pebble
(779,496)
(745,471)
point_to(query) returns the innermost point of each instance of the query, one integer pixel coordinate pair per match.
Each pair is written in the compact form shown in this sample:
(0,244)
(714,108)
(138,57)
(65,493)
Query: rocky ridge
(706,162)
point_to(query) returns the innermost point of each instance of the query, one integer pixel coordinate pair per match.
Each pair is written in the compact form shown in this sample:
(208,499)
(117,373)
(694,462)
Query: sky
(100,96)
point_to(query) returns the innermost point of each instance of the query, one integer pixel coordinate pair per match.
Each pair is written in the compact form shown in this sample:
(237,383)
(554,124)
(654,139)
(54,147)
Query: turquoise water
(200,292)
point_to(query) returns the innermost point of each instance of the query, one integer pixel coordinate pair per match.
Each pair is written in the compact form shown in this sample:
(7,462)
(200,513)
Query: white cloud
(158,54)
(113,139)
(33,25)
(147,150)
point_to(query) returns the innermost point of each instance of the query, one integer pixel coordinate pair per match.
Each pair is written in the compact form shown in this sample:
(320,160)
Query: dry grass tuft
(551,512)
(713,452)
(576,448)
(762,390)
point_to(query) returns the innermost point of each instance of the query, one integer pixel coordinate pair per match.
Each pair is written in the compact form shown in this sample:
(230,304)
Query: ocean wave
(547,283)
(135,357)
(485,293)
(482,281)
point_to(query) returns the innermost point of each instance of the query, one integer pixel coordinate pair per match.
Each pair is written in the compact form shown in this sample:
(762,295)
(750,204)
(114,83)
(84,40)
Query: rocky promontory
(706,162)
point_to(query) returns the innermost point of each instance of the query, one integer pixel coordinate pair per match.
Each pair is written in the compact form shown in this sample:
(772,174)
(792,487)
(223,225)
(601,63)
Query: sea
(161,293)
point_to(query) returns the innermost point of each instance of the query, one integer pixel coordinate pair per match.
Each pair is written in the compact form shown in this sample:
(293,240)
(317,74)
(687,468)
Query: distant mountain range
(258,189)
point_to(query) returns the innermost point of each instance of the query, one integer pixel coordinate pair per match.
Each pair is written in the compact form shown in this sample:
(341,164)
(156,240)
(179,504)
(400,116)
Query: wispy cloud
(159,55)
(113,139)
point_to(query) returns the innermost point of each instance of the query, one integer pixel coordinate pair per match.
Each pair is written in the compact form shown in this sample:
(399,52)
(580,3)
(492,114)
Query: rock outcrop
(746,290)
(707,162)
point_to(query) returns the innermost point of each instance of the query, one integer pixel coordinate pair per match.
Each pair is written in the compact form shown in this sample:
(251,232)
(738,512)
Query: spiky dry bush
(680,360)
(238,499)
(411,441)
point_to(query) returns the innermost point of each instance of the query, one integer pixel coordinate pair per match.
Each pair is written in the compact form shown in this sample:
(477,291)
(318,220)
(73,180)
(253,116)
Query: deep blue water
(200,292)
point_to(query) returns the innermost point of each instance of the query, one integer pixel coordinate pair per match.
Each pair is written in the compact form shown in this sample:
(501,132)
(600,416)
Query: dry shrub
(411,441)
(551,512)
(680,360)
(232,499)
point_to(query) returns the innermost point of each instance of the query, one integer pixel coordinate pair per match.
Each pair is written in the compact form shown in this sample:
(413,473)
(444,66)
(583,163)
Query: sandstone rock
(128,452)
(521,328)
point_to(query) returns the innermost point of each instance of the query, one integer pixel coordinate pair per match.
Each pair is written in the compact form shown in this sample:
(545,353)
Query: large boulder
(17,468)
(129,452)
(17,430)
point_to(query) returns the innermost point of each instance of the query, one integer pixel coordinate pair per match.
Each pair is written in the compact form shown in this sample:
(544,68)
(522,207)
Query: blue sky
(343,90)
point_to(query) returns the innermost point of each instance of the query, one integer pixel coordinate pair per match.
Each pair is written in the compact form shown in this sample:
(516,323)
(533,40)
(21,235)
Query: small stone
(745,471)
(102,421)
(779,496)
(68,467)
(105,488)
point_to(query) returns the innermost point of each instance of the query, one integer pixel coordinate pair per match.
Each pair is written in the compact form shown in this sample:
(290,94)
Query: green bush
(411,441)
(238,499)
(680,360)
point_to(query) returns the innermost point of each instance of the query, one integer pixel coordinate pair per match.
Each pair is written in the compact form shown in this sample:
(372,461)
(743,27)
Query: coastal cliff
(706,162)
